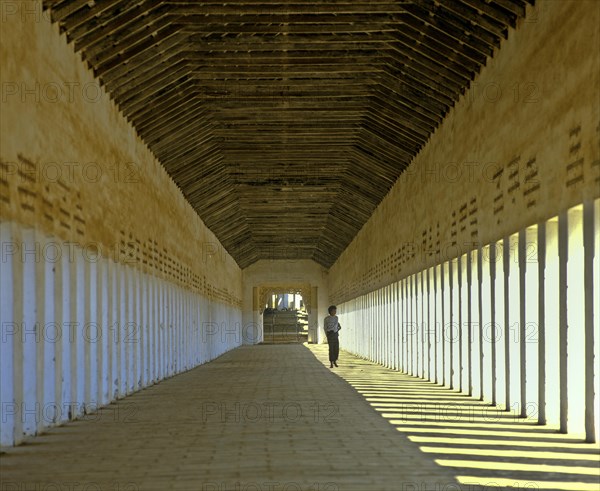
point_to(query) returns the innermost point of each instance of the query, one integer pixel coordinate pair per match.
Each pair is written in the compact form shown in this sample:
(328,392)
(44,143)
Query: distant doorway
(285,319)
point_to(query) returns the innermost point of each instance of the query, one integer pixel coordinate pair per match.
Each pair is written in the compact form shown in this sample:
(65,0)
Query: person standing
(332,328)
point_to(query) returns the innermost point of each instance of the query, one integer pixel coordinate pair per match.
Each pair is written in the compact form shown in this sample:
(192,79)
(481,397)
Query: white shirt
(331,323)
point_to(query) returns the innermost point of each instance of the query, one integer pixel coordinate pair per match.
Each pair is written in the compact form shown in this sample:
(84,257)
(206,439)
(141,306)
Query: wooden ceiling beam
(153,85)
(275,10)
(492,11)
(112,28)
(467,13)
(70,17)
(193,120)
(169,118)
(373,118)
(138,73)
(148,51)
(418,26)
(125,43)
(419,76)
(282,109)
(174,96)
(199,132)
(264,42)
(408,51)
(186,89)
(63,8)
(406,90)
(219,30)
(440,54)
(443,21)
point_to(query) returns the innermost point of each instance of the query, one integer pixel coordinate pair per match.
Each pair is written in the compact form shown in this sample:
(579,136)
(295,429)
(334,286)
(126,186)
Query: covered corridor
(430,167)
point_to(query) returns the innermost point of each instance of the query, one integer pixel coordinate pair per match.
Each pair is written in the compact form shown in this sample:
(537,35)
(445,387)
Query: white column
(487,284)
(593,297)
(455,335)
(168,323)
(563,319)
(512,340)
(409,325)
(104,320)
(78,310)
(403,326)
(446,324)
(49,330)
(10,345)
(370,351)
(90,331)
(122,331)
(530,323)
(61,329)
(576,333)
(438,336)
(422,322)
(464,325)
(397,325)
(115,332)
(551,323)
(502,318)
(475,322)
(146,303)
(428,323)
(377,324)
(415,324)
(129,331)
(387,345)
(31,333)
(160,329)
(178,329)
(138,339)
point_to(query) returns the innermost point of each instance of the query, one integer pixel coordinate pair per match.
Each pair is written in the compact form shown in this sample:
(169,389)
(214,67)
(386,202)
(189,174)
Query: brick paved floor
(275,417)
(483,446)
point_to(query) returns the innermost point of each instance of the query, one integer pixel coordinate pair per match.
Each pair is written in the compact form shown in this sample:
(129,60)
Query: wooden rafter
(285,123)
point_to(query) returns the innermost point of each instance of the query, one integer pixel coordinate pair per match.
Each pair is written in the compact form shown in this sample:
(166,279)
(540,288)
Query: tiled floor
(276,418)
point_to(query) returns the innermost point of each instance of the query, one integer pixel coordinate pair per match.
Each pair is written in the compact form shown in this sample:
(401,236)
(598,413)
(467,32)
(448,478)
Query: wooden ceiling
(285,123)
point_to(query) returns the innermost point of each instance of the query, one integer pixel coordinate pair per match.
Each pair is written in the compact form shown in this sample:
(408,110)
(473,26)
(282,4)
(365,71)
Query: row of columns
(514,322)
(292,301)
(80,330)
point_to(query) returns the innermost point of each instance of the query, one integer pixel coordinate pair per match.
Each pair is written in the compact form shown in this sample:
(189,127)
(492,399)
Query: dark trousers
(333,339)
